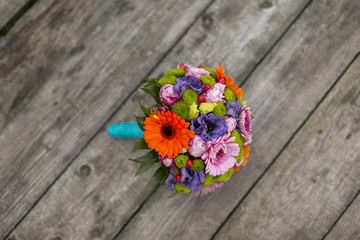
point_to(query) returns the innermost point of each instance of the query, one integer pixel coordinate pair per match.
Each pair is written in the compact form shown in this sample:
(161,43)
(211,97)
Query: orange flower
(246,154)
(229,82)
(167,133)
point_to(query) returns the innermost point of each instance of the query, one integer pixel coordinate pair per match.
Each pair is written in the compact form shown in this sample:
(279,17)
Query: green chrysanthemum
(167,79)
(181,161)
(180,188)
(208,180)
(226,176)
(176,72)
(206,79)
(212,72)
(219,109)
(181,109)
(229,95)
(238,140)
(198,165)
(190,96)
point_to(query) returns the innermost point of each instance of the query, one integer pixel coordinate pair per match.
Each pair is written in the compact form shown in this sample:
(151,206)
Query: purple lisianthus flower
(167,162)
(170,181)
(215,94)
(189,178)
(197,146)
(186,82)
(167,95)
(209,127)
(233,110)
(192,179)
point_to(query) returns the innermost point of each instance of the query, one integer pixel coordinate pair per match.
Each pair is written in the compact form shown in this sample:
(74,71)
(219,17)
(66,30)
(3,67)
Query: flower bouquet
(198,132)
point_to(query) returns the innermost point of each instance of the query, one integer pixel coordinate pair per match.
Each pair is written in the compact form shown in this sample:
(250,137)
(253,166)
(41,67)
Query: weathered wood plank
(76,61)
(314,179)
(348,226)
(283,90)
(77,212)
(8,9)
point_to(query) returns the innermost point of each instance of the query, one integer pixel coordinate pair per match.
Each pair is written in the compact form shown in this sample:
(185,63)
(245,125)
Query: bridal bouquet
(198,132)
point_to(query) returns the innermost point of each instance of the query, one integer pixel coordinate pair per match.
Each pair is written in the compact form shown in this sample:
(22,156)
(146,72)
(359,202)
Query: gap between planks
(285,146)
(16,17)
(341,215)
(110,116)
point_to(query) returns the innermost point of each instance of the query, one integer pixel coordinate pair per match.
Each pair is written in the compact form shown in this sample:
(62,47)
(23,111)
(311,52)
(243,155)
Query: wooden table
(69,69)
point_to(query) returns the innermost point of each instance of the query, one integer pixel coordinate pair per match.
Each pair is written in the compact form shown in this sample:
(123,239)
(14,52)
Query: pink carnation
(168,162)
(220,155)
(197,146)
(167,95)
(245,125)
(231,123)
(215,93)
(194,71)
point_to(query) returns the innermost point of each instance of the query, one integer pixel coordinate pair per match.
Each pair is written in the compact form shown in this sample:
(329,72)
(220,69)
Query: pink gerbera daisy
(220,155)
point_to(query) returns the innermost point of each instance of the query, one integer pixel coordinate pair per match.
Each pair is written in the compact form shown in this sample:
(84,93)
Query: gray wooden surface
(69,69)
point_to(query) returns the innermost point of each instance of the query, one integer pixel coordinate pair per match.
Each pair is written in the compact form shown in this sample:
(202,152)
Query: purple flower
(233,110)
(167,162)
(186,82)
(209,126)
(245,125)
(170,181)
(167,95)
(192,179)
(189,178)
(215,94)
(197,146)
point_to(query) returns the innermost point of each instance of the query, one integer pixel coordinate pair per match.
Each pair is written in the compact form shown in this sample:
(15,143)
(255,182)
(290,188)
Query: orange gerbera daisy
(229,82)
(167,133)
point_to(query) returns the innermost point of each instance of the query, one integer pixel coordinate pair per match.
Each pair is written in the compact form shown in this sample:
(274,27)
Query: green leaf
(141,144)
(252,117)
(135,160)
(145,165)
(150,82)
(150,155)
(140,122)
(159,175)
(146,111)
(155,95)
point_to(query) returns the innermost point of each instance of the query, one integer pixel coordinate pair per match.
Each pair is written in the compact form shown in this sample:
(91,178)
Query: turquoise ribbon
(125,130)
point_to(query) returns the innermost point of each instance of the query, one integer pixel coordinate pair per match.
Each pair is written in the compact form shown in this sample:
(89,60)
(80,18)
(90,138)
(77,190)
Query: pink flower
(211,188)
(207,190)
(167,95)
(194,71)
(215,93)
(168,162)
(245,125)
(219,155)
(231,123)
(197,146)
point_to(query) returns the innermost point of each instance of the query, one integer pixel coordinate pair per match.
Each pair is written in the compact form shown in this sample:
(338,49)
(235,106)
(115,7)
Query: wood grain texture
(55,205)
(95,197)
(65,68)
(313,180)
(348,226)
(282,92)
(8,9)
